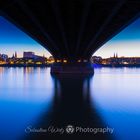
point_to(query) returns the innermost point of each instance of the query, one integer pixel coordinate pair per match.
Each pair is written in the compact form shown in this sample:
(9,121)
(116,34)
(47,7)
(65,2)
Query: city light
(116,61)
(29,58)
(58,60)
(65,61)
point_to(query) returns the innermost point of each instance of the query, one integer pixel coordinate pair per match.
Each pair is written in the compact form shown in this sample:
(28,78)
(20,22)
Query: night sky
(126,43)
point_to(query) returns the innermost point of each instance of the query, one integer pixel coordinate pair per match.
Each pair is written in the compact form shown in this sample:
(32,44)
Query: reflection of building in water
(1,70)
(28,70)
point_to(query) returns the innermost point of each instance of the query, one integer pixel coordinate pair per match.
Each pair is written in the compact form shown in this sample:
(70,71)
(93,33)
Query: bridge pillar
(72,68)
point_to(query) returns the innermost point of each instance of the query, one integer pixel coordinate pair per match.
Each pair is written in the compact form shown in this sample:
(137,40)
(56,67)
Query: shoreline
(25,65)
(49,65)
(117,65)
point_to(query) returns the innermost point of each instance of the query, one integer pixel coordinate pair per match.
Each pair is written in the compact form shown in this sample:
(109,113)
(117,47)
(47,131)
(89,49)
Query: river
(35,104)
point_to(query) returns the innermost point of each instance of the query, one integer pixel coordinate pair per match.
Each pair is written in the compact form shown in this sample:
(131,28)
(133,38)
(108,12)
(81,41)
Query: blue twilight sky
(126,43)
(13,39)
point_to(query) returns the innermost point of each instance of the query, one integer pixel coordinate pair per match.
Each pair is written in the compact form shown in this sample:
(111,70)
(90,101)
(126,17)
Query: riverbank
(118,65)
(48,65)
(25,65)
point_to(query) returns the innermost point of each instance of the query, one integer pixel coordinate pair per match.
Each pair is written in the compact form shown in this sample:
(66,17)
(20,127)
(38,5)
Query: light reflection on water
(24,95)
(116,93)
(31,96)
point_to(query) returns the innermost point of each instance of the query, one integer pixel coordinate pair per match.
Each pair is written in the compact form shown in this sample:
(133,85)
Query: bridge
(71,30)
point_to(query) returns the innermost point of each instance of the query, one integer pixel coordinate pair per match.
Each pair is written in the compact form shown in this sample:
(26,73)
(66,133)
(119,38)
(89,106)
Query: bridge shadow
(71,106)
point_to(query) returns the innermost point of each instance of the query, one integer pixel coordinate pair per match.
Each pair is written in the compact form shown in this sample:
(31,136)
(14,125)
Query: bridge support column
(72,68)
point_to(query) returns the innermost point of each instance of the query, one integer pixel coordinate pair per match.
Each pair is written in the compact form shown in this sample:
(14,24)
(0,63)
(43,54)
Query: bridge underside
(71,30)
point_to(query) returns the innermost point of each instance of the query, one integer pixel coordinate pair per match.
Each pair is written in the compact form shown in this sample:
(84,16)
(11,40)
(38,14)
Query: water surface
(33,97)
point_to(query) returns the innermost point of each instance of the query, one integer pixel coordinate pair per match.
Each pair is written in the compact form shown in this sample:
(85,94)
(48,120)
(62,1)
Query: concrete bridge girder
(71,29)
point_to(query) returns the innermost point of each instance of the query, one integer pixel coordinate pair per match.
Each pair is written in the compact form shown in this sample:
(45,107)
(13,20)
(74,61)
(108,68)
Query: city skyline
(21,56)
(126,43)
(13,39)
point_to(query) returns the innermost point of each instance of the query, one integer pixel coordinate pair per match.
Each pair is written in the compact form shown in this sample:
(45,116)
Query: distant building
(28,54)
(51,59)
(15,54)
(115,55)
(4,57)
(96,59)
